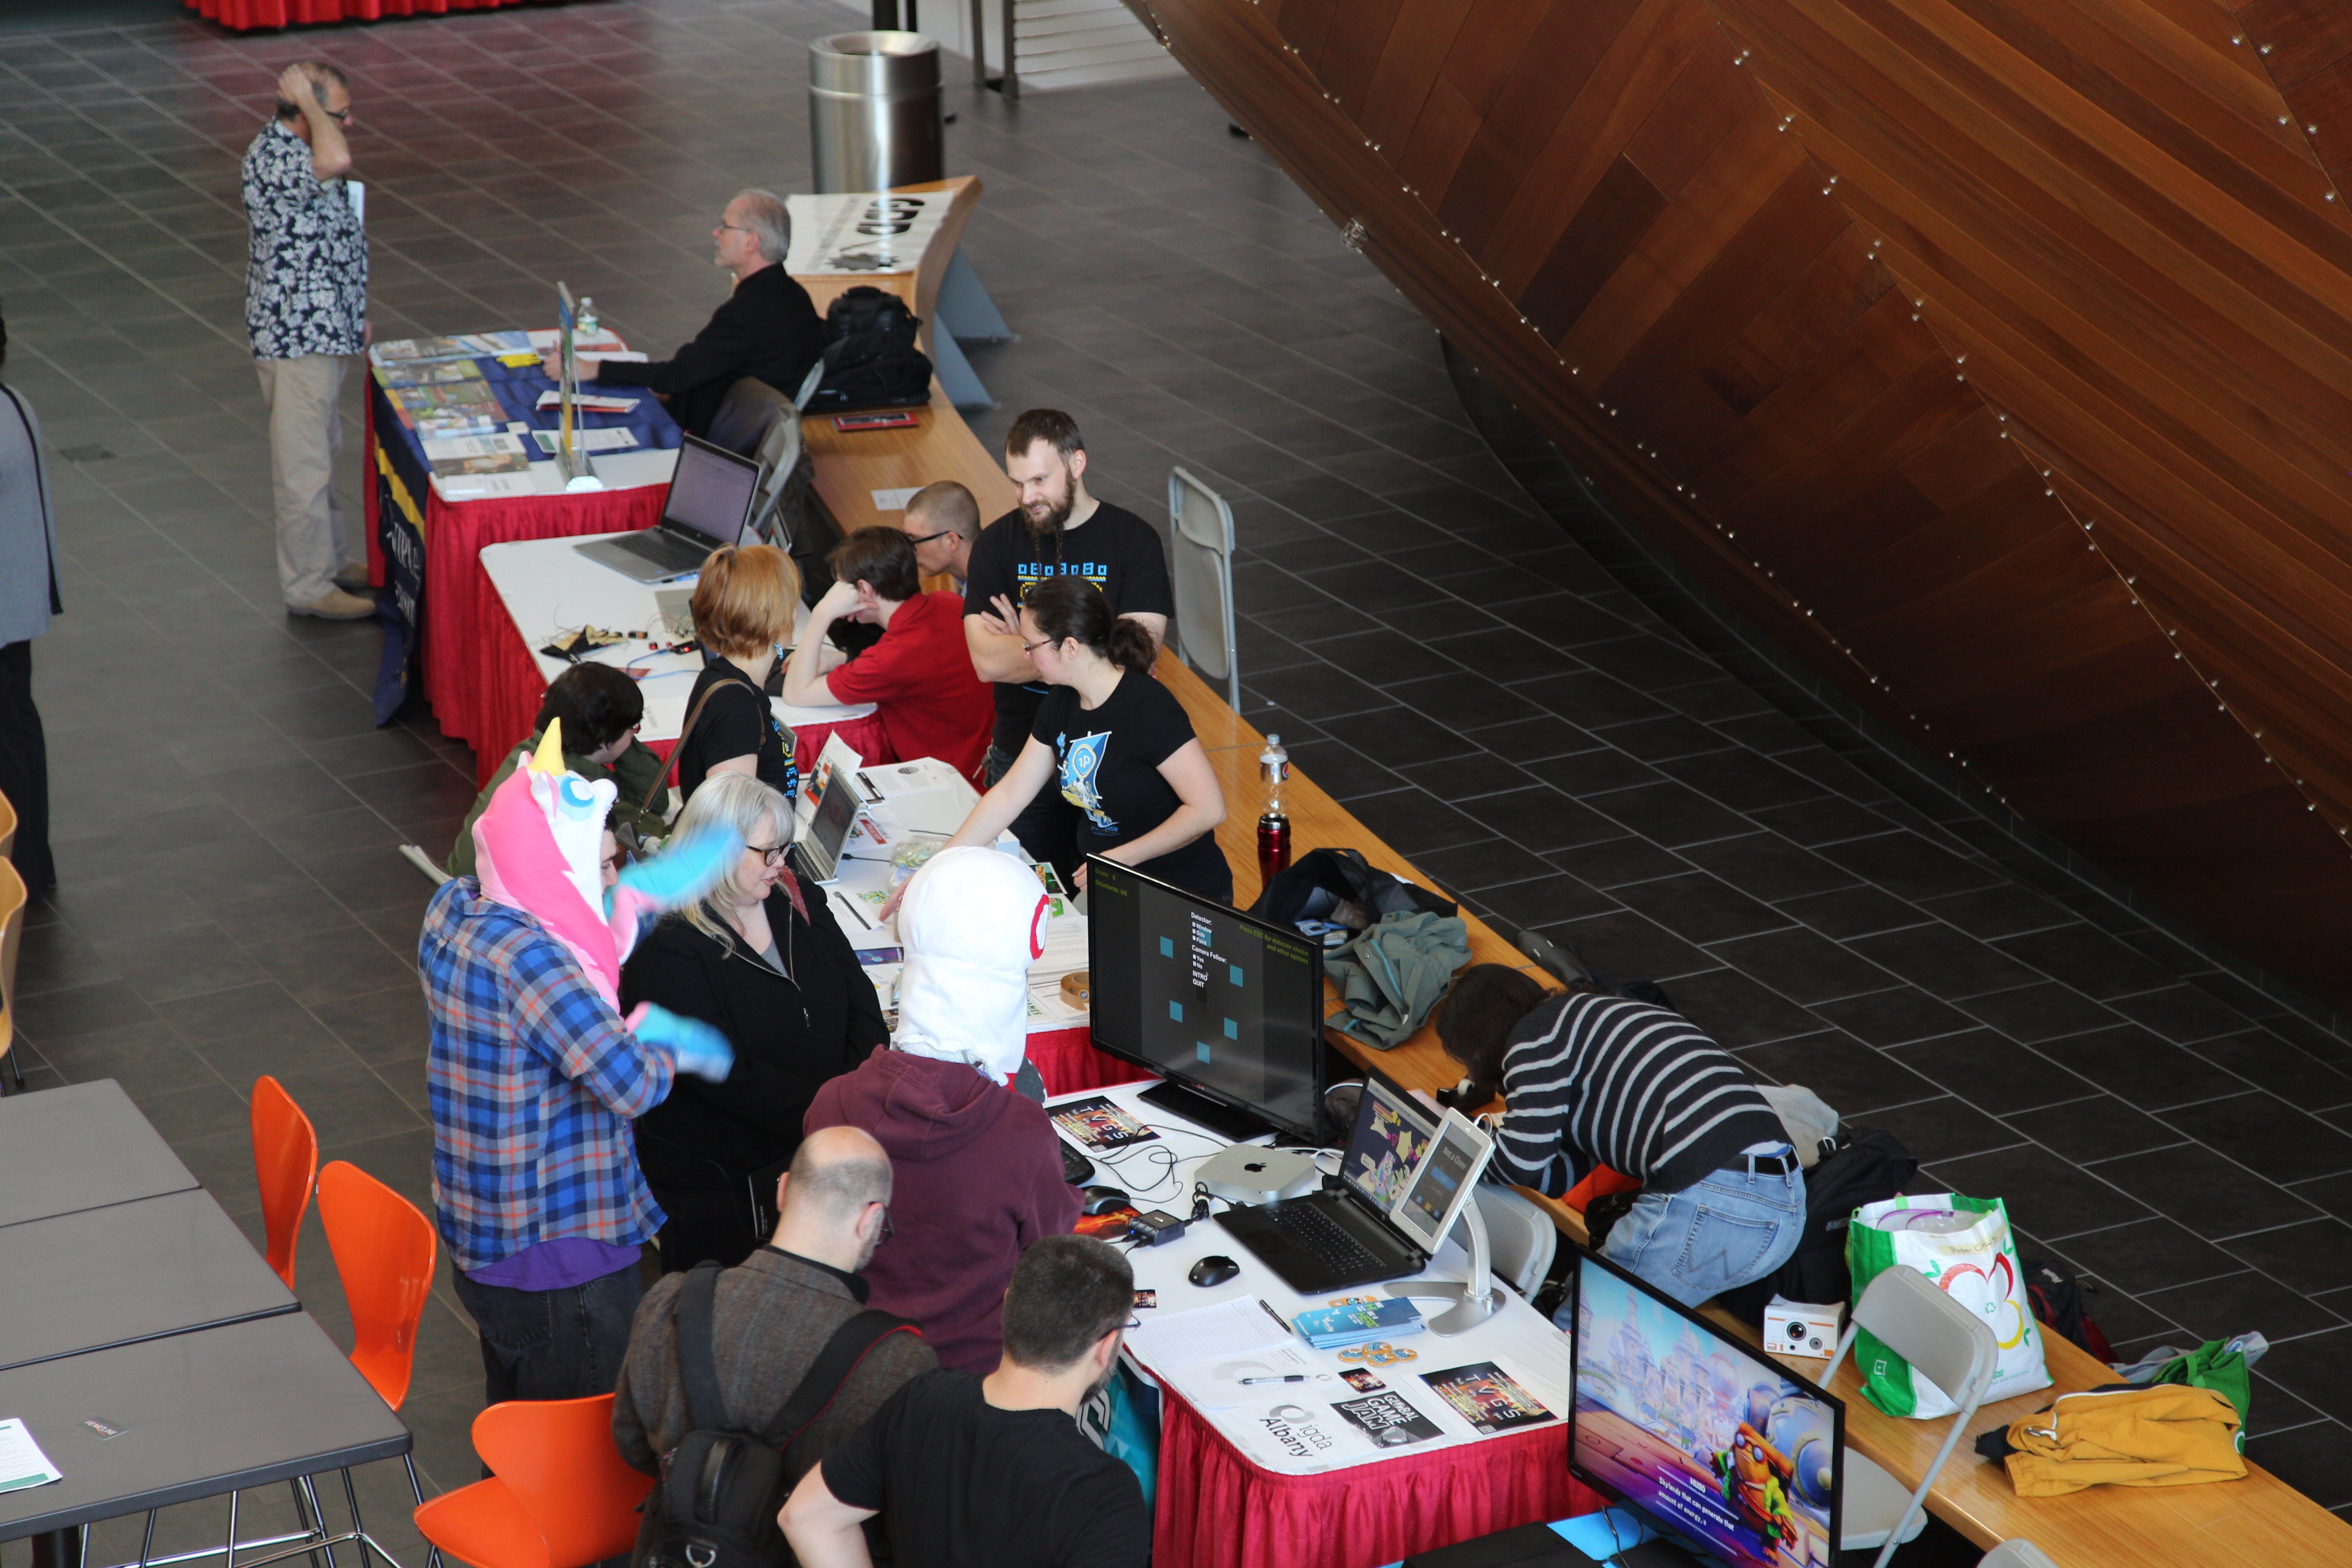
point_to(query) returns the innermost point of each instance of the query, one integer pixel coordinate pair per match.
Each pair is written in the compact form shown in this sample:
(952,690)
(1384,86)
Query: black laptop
(1330,1241)
(710,500)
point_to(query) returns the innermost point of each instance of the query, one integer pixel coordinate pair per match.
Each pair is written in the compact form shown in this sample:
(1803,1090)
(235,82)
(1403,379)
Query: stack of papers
(467,345)
(433,372)
(459,408)
(593,402)
(1355,1323)
(22,1462)
(1230,1328)
(616,440)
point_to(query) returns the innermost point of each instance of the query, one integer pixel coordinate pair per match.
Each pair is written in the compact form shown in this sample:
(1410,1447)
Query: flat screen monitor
(1391,1134)
(1224,1005)
(712,491)
(1705,1434)
(1444,1181)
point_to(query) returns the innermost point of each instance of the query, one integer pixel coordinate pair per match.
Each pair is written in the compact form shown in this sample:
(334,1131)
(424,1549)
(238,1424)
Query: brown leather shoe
(337,605)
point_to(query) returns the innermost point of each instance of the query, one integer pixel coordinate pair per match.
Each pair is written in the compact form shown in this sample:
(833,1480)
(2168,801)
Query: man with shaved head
(773,1314)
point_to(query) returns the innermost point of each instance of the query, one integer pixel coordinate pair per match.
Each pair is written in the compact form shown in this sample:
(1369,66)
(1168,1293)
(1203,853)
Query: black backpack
(1866,1167)
(870,357)
(1314,885)
(722,1486)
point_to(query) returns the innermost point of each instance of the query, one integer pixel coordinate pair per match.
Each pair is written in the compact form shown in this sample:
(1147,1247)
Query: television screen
(1700,1431)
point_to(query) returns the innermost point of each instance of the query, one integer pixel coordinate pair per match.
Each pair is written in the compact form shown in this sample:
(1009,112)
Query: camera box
(1801,1327)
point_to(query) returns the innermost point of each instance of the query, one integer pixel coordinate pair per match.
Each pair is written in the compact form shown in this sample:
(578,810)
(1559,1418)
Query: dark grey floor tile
(1803,967)
(1668,814)
(1343,771)
(2317,1369)
(62,1014)
(2134,1064)
(1585,773)
(1856,1080)
(1818,824)
(2212,1196)
(1398,736)
(1613,862)
(381,1027)
(1942,1128)
(1490,862)
(1736,1011)
(2100,1128)
(2266,1134)
(1411,821)
(1990,913)
(1942,962)
(2264,1058)
(2309,1257)
(1849,913)
(1737,778)
(1383,657)
(1769,866)
(1541,740)
(1893,1016)
(2045,1194)
(1545,902)
(1589,697)
(2315,1460)
(1317,692)
(1700,908)
(1466,777)
(2147,1256)
(1908,866)
(2039,1012)
(1627,946)
(1468,703)
(2182,1012)
(1662,740)
(2087,959)
(1995,1074)
(1538,817)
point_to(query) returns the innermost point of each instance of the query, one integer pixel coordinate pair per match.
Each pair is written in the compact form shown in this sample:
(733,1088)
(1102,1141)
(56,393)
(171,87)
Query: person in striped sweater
(1593,1078)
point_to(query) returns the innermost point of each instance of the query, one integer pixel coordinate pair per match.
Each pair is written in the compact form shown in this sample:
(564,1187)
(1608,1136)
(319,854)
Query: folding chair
(2018,1553)
(1201,554)
(12,899)
(1521,1238)
(1947,1344)
(559,1495)
(286,1162)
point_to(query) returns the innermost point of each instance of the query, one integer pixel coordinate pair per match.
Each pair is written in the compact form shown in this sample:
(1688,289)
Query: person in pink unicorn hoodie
(534,1075)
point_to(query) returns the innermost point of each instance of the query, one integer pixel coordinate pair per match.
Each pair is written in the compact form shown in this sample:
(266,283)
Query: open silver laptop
(710,500)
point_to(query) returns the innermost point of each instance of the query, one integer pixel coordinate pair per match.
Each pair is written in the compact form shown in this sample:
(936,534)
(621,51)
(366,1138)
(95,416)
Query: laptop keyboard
(663,549)
(1308,1226)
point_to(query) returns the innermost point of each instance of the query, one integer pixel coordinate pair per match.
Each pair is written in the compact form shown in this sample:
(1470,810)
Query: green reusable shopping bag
(1964,1247)
(2214,1365)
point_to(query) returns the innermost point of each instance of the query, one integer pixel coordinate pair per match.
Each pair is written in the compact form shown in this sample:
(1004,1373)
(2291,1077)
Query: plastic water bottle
(584,319)
(1274,826)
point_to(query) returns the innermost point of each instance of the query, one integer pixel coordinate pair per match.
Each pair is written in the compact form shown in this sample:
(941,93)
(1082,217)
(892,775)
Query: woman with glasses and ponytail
(1115,743)
(763,960)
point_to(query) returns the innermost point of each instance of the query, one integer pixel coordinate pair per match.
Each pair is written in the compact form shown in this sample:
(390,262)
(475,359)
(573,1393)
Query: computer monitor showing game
(1226,1007)
(1701,1433)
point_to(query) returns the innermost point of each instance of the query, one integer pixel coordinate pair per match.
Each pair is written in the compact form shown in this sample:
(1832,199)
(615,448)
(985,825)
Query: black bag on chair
(871,360)
(1315,885)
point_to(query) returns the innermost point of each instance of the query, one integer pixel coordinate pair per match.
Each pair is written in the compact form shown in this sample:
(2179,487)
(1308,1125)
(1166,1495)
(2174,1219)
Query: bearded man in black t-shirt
(1057,530)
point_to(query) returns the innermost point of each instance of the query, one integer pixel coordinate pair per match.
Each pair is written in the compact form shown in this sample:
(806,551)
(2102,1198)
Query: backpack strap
(841,1355)
(678,748)
(697,1357)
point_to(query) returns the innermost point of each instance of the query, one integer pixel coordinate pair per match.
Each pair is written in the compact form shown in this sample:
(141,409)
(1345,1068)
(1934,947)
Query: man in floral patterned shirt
(305,300)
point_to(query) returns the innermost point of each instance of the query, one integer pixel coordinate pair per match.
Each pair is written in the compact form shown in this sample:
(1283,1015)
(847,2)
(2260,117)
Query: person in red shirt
(918,677)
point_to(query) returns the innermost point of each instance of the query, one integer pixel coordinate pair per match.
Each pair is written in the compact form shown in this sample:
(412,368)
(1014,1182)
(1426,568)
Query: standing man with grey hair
(305,311)
(771,1316)
(769,327)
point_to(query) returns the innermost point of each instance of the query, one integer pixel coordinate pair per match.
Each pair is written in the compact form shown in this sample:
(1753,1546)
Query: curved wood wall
(1995,355)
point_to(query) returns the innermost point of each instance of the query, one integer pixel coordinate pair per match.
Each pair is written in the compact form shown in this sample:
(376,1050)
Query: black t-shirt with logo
(1106,764)
(960,1484)
(1113,548)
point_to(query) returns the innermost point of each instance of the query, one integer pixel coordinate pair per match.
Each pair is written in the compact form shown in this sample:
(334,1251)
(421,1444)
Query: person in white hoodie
(977,1170)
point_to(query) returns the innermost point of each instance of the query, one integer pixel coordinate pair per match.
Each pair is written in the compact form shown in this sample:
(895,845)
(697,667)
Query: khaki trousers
(304,397)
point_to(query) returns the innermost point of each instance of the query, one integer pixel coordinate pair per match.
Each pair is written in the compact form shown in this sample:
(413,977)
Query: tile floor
(1440,644)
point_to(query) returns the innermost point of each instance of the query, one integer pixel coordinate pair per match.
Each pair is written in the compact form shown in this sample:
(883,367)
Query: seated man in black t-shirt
(967,1471)
(1057,530)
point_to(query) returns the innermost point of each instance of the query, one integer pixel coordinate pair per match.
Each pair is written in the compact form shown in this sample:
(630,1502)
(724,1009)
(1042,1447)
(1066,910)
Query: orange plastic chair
(286,1160)
(561,1495)
(13,898)
(383,1249)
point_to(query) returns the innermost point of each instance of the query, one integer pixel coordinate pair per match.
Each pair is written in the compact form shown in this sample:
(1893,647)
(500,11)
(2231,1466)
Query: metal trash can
(873,111)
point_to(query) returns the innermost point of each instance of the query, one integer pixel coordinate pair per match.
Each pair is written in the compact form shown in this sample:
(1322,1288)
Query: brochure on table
(1349,1407)
(924,798)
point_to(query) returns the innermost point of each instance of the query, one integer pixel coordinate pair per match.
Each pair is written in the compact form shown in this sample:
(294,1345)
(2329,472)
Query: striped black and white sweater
(1591,1079)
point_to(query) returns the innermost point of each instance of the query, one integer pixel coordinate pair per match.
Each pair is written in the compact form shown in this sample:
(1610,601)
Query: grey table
(81,1147)
(196,1414)
(136,1270)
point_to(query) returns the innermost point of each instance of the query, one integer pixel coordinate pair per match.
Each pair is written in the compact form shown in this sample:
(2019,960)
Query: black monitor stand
(1656,1552)
(1215,1115)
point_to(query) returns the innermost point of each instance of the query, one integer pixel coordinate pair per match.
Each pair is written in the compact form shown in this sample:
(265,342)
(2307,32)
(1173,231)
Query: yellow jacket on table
(2166,1436)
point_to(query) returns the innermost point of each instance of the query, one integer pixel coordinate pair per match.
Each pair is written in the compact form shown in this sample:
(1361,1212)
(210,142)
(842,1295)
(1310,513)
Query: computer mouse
(1213,1269)
(1102,1200)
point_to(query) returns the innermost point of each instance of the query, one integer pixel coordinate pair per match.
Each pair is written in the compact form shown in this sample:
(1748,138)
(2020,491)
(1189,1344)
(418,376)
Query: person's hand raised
(294,87)
(1005,620)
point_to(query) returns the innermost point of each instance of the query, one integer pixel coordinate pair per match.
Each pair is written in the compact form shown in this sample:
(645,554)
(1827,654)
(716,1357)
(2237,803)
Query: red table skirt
(1216,1509)
(1069,1062)
(243,16)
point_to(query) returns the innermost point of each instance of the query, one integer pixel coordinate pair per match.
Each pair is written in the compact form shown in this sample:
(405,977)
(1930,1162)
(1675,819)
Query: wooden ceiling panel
(1995,357)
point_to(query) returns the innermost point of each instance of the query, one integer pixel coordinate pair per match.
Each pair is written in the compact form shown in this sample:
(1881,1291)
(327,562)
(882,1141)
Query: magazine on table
(1096,1125)
(1487,1397)
(1388,1420)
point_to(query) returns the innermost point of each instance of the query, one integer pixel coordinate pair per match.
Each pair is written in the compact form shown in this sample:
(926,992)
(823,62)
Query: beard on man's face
(1045,518)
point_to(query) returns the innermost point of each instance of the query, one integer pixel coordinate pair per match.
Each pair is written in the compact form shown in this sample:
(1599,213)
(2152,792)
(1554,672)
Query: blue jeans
(1729,1227)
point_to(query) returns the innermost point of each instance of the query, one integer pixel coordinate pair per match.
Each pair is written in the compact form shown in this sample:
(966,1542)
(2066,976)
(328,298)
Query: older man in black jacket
(769,327)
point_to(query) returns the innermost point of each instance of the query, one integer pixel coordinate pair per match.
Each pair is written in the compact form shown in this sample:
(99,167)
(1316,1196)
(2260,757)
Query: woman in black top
(762,960)
(744,606)
(1115,743)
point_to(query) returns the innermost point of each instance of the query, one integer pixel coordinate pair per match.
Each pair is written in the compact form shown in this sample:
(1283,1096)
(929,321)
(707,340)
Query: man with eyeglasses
(771,1316)
(767,327)
(941,522)
(305,312)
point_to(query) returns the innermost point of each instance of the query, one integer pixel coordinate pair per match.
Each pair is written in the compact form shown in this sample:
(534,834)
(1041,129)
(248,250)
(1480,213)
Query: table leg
(61,1548)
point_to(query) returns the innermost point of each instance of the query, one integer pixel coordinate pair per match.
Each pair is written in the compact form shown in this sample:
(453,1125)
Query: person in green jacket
(599,707)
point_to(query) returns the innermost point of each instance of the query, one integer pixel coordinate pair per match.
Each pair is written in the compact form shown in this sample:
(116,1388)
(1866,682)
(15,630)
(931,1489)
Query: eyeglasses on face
(770,856)
(926,538)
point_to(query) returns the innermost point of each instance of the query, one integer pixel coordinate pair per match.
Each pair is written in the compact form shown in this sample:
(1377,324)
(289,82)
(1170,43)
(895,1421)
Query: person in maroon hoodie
(976,1167)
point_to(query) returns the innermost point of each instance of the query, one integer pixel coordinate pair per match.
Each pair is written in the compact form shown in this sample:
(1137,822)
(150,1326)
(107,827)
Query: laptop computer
(1330,1241)
(710,500)
(818,848)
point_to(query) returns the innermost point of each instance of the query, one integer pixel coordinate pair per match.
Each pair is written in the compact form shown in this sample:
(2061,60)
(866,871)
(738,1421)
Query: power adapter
(1156,1229)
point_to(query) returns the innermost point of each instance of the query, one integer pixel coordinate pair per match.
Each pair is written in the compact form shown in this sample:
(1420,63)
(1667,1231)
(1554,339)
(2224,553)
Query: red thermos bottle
(1274,826)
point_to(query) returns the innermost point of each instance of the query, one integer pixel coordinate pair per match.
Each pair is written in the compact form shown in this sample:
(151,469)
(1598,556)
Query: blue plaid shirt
(533,1082)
